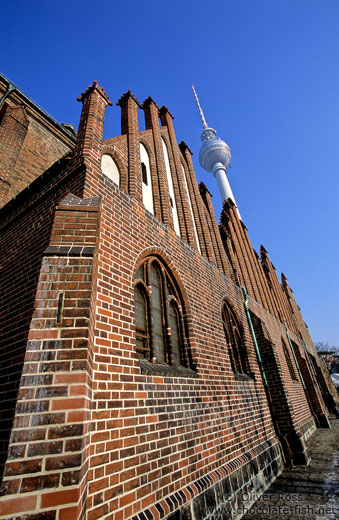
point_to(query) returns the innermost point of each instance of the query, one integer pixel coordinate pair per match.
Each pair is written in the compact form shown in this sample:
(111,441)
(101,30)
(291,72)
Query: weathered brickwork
(30,141)
(93,431)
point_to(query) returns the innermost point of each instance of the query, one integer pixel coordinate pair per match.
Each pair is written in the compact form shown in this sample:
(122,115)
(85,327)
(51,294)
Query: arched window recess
(110,168)
(234,340)
(160,332)
(147,190)
(289,361)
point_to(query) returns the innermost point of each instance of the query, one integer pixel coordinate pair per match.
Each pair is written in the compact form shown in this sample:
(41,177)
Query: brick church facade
(152,363)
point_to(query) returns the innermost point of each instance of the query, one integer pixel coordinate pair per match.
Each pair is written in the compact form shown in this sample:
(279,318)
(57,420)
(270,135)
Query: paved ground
(306,492)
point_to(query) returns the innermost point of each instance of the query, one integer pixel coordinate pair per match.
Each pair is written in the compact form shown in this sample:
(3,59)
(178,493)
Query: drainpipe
(254,337)
(10,89)
(286,449)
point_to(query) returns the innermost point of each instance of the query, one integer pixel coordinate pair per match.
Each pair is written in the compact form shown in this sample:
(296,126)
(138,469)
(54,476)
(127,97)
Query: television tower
(215,157)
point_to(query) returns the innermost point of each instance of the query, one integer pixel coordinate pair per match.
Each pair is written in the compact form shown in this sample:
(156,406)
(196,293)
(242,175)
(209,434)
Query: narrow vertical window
(174,324)
(144,173)
(157,313)
(141,323)
(60,307)
(171,189)
(147,193)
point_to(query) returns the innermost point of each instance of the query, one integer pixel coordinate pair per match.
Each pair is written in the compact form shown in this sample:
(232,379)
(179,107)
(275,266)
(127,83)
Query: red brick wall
(259,276)
(25,232)
(93,433)
(167,431)
(29,143)
(13,130)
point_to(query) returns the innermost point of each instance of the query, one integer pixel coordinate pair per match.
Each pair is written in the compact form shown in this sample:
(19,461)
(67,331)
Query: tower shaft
(215,156)
(220,173)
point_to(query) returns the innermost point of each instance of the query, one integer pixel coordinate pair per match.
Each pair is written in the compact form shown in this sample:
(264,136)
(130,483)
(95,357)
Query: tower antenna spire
(204,124)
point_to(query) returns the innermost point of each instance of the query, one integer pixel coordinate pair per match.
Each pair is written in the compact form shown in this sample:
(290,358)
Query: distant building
(31,140)
(151,360)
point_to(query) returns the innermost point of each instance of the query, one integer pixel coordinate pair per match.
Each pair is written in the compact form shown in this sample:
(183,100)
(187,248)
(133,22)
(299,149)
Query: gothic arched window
(158,315)
(233,340)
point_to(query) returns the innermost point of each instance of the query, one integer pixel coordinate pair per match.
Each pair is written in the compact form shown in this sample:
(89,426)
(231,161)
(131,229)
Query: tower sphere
(213,150)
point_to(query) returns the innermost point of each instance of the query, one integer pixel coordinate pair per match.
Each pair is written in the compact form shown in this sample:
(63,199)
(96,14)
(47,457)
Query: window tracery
(158,315)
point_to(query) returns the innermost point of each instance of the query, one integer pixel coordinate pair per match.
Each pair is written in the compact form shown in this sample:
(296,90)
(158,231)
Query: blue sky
(267,75)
